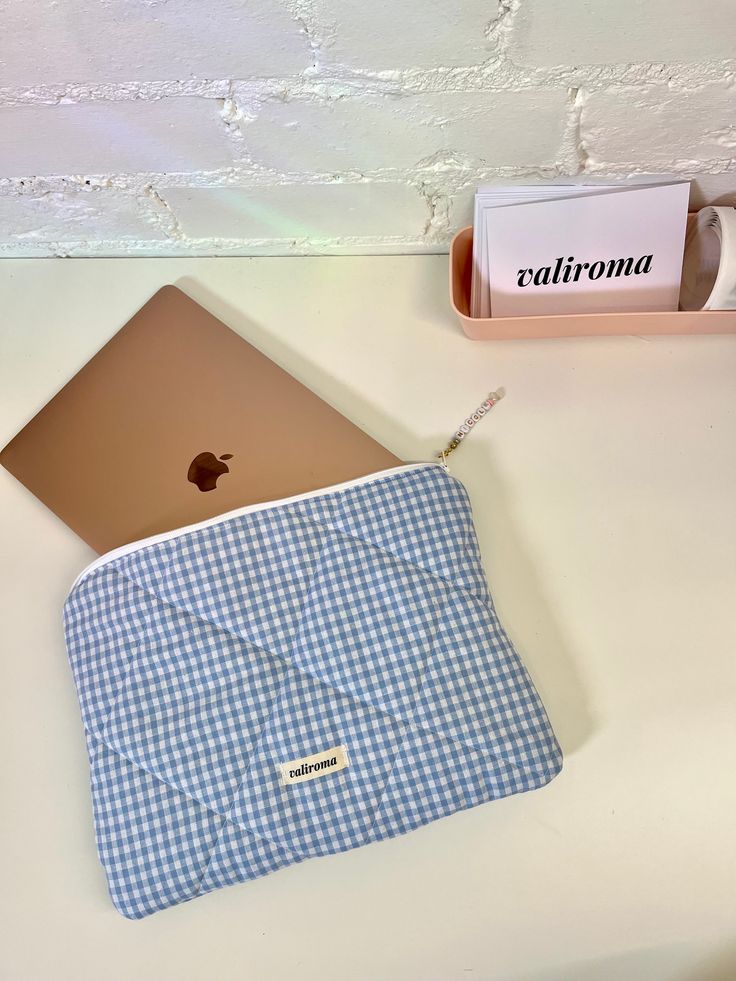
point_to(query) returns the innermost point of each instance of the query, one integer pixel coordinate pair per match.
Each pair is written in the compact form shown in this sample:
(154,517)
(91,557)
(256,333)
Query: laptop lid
(178,419)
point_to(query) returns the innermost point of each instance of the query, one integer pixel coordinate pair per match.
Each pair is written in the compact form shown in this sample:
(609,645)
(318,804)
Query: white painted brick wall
(69,215)
(292,126)
(622,32)
(654,125)
(299,213)
(47,42)
(375,133)
(182,135)
(408,35)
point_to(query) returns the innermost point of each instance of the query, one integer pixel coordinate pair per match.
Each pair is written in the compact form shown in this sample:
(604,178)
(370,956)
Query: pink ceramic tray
(569,325)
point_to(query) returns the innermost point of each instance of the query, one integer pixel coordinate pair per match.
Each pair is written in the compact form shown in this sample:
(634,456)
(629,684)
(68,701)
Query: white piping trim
(164,536)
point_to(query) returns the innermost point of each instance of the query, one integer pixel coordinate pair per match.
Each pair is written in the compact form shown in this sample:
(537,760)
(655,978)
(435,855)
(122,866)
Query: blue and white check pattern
(359,617)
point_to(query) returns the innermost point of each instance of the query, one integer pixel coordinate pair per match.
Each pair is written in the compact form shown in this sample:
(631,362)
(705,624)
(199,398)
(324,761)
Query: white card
(500,196)
(620,250)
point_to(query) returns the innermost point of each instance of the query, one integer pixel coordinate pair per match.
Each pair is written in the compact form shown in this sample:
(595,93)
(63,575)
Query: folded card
(617,250)
(492,196)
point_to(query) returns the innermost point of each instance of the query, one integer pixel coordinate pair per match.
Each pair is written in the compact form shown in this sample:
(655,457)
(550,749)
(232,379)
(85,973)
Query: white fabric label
(318,765)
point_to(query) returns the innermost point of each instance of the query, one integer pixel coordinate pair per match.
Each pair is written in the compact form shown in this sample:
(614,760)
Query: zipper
(165,536)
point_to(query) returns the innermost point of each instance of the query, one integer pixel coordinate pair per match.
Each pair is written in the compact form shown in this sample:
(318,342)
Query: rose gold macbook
(178,419)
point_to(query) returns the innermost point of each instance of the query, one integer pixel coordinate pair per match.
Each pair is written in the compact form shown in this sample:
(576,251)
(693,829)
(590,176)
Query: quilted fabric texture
(357,617)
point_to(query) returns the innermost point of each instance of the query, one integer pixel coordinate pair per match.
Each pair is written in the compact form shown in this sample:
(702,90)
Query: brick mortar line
(455,178)
(498,75)
(366,245)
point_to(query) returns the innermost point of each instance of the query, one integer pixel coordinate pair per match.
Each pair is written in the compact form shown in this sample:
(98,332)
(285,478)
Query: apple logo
(205,470)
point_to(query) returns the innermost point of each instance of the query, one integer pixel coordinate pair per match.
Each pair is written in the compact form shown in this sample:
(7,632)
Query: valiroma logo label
(305,768)
(571,271)
(317,765)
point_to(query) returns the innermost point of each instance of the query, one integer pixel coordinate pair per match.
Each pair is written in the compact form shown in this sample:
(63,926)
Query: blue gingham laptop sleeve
(292,680)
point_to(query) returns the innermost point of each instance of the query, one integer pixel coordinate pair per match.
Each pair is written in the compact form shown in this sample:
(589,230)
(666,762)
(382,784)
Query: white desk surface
(604,489)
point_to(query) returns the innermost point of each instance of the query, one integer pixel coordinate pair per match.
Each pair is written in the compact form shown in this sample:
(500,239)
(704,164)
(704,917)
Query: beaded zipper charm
(485,406)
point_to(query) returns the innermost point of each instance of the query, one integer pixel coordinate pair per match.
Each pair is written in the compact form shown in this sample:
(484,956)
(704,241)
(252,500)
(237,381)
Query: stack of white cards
(556,249)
